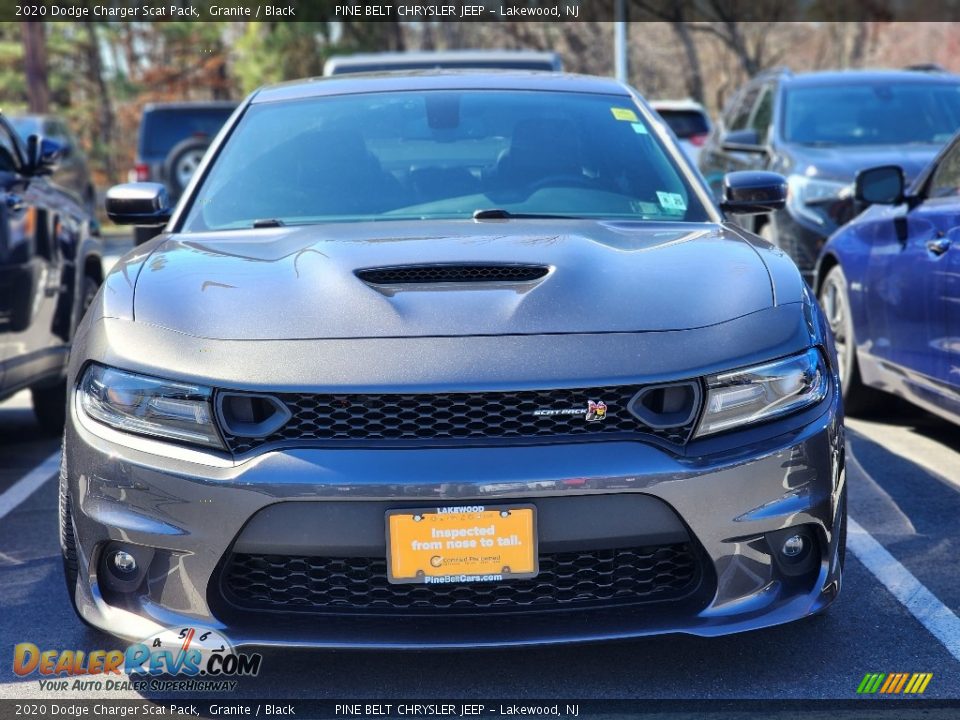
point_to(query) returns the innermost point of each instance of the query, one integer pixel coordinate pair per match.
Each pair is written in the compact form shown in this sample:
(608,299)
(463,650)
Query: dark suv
(819,130)
(50,270)
(173,139)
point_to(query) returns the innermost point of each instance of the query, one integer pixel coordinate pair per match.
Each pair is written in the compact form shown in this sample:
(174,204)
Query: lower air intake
(596,578)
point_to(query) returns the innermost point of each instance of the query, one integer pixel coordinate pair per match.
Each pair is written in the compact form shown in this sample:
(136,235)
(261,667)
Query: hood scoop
(452,273)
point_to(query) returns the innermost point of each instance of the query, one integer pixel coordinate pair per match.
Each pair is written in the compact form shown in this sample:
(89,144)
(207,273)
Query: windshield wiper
(268,223)
(501,214)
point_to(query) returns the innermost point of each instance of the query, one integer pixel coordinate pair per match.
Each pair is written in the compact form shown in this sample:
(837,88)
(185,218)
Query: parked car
(688,120)
(172,141)
(819,129)
(449,60)
(72,171)
(889,282)
(453,360)
(50,270)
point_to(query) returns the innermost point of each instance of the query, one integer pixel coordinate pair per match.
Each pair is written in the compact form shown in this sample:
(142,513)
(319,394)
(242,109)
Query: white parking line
(936,617)
(25,486)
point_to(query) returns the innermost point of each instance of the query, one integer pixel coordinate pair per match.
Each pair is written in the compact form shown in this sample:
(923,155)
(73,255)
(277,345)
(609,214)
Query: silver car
(447,360)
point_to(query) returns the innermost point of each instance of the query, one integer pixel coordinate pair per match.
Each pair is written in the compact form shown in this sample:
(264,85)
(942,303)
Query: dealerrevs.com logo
(189,659)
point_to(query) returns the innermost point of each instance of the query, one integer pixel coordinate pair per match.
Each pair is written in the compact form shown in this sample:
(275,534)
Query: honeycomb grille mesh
(359,585)
(472,417)
(411,274)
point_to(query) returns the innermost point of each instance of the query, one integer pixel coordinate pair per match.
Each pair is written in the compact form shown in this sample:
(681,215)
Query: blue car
(889,282)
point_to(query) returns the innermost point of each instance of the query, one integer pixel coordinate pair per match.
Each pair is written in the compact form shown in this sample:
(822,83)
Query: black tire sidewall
(850,375)
(173,157)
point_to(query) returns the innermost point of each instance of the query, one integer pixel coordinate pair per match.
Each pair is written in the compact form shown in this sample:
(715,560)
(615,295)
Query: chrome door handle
(938,246)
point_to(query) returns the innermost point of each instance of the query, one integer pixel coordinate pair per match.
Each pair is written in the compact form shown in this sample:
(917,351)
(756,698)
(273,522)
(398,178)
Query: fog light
(124,562)
(793,546)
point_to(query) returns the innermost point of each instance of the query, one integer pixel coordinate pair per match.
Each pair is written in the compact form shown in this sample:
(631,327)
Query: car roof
(191,105)
(686,104)
(440,80)
(440,56)
(855,77)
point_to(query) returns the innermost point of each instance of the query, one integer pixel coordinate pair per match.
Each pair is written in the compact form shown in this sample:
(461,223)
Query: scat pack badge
(596,411)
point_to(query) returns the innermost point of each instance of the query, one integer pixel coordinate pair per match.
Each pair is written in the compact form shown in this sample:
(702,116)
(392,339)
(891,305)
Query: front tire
(68,540)
(858,399)
(842,539)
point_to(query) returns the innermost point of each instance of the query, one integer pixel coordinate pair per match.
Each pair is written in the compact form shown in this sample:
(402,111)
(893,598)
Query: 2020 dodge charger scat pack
(443,360)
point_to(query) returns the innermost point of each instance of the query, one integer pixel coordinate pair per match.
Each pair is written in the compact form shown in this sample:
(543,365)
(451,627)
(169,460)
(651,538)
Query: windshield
(872,114)
(441,155)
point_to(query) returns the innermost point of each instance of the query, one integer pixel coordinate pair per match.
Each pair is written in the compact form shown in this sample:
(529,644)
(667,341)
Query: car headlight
(824,202)
(763,392)
(149,406)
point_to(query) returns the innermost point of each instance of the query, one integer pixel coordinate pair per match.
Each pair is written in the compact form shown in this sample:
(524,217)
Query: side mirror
(138,204)
(753,192)
(880,185)
(43,155)
(747,141)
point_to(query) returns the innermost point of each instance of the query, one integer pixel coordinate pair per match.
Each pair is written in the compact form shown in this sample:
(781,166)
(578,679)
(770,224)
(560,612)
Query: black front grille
(597,578)
(441,273)
(471,417)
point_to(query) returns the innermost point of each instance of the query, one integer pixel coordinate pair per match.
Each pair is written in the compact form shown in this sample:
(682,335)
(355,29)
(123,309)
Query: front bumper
(189,509)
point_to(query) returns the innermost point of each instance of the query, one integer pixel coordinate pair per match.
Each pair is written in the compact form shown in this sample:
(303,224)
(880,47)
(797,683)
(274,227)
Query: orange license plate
(472,543)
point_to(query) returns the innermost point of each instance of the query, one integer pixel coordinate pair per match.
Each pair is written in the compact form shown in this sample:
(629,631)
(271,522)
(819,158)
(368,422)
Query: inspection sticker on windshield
(639,128)
(671,201)
(625,114)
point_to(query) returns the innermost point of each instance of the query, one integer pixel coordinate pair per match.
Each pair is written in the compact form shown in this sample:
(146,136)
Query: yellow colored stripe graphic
(894,683)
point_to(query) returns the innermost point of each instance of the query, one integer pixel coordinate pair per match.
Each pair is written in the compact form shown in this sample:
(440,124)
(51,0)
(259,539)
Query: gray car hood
(300,282)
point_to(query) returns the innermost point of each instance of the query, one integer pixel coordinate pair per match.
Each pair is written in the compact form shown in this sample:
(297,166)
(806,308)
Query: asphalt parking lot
(897,611)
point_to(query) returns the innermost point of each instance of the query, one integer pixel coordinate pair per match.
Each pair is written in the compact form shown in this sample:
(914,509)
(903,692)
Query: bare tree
(104,126)
(676,14)
(35,59)
(694,70)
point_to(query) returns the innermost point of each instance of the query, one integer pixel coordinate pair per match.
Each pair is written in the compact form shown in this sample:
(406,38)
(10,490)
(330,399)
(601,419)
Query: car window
(872,113)
(763,113)
(685,123)
(442,155)
(8,151)
(164,128)
(56,130)
(741,116)
(946,178)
